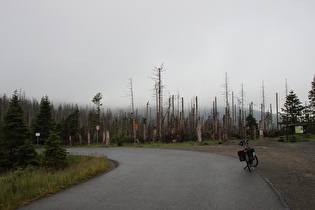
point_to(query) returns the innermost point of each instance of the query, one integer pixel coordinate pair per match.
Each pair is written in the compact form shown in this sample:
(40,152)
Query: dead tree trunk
(133,114)
(182,122)
(169,127)
(242,126)
(277,113)
(107,138)
(159,99)
(191,129)
(263,112)
(227,120)
(145,136)
(215,120)
(198,127)
(262,122)
(173,117)
(271,118)
(233,122)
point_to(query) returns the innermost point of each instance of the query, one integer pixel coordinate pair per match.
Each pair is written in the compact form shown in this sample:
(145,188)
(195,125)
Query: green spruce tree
(309,112)
(70,126)
(55,157)
(251,125)
(27,155)
(15,150)
(292,111)
(43,120)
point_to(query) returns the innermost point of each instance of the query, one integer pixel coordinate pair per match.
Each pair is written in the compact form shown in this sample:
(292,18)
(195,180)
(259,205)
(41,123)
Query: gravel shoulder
(290,167)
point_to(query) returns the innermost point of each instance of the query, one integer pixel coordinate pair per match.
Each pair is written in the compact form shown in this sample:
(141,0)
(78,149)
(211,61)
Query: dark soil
(290,167)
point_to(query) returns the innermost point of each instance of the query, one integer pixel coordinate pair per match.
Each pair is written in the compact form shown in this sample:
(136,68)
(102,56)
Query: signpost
(299,129)
(135,128)
(37,135)
(97,129)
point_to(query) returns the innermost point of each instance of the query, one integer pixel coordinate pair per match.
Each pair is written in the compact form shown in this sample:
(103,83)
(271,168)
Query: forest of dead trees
(167,121)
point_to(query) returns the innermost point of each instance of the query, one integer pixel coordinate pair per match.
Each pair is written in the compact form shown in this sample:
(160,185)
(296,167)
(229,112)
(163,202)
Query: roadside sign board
(299,129)
(98,127)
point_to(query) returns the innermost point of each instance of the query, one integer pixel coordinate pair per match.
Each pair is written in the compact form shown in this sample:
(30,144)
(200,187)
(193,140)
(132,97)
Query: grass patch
(292,138)
(153,144)
(176,144)
(23,186)
(298,137)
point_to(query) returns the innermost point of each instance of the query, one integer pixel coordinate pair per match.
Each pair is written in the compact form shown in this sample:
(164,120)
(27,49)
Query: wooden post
(107,138)
(154,134)
(104,136)
(261,130)
(144,132)
(70,141)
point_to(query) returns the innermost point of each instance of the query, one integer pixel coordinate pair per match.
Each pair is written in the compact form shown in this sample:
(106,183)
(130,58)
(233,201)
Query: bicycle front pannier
(251,153)
(241,155)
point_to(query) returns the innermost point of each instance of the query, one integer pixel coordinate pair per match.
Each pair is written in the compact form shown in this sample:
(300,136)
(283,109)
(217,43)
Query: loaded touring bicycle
(248,154)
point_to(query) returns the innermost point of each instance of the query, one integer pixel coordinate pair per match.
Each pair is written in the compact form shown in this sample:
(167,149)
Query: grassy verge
(176,144)
(292,138)
(153,144)
(22,186)
(300,137)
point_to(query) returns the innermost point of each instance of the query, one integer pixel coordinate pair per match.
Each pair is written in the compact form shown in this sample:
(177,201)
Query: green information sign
(298,129)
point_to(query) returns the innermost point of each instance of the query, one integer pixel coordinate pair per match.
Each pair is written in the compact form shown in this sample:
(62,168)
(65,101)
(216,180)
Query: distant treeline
(168,121)
(78,125)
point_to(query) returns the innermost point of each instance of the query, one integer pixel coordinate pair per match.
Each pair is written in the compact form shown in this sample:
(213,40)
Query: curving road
(167,179)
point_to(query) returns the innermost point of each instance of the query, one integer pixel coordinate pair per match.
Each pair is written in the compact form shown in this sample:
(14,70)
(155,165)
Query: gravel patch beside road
(290,167)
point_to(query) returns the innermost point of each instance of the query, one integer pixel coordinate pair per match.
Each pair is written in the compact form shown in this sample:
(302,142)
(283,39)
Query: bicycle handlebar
(243,142)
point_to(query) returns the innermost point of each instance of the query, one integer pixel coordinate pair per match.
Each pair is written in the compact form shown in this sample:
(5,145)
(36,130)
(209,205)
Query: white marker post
(37,135)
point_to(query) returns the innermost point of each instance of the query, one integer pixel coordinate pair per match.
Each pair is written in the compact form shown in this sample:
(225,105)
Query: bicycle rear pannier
(242,155)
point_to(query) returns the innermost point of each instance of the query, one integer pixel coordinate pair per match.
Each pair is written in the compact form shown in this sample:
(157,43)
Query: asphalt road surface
(167,179)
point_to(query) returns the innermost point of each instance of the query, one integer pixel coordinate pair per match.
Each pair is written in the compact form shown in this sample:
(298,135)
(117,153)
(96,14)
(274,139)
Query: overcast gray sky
(72,49)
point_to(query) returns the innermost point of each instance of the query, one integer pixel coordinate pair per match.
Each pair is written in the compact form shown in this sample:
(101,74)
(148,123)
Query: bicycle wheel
(255,161)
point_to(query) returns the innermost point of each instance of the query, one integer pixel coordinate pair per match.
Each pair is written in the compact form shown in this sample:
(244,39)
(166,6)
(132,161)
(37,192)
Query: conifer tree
(43,120)
(292,111)
(70,126)
(311,97)
(252,125)
(55,157)
(26,155)
(15,150)
(97,101)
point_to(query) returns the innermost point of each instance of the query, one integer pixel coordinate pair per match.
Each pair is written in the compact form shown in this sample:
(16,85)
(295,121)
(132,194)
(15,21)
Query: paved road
(167,179)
